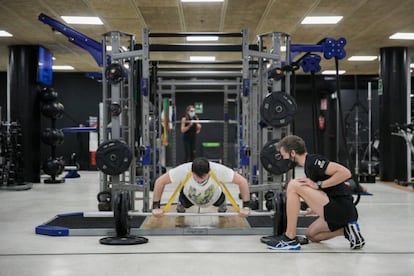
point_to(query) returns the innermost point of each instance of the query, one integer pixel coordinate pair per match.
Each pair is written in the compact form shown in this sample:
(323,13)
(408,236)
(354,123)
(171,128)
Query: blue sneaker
(283,243)
(353,234)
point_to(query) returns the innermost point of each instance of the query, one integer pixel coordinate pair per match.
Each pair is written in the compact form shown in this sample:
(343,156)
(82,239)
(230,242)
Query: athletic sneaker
(353,234)
(283,243)
(222,208)
(180,208)
(301,239)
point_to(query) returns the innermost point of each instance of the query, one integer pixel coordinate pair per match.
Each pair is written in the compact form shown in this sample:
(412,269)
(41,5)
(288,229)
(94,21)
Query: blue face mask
(191,114)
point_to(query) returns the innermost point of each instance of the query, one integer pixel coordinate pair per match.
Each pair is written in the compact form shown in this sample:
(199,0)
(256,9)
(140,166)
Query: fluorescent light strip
(5,34)
(62,67)
(333,72)
(87,20)
(408,36)
(202,58)
(321,19)
(202,38)
(362,58)
(201,1)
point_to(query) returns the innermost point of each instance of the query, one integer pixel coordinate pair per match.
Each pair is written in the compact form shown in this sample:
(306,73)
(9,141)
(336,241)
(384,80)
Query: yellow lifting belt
(182,183)
(226,191)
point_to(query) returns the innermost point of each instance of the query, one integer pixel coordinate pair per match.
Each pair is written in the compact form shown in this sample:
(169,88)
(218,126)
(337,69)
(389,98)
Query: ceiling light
(321,19)
(412,65)
(62,67)
(333,72)
(5,34)
(90,20)
(202,38)
(409,36)
(202,58)
(200,1)
(362,58)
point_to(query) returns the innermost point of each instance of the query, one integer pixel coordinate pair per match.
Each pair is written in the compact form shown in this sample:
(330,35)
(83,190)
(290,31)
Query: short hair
(292,142)
(200,166)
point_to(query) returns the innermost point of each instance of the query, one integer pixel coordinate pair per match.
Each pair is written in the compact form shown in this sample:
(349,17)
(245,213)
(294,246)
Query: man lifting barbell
(201,183)
(325,192)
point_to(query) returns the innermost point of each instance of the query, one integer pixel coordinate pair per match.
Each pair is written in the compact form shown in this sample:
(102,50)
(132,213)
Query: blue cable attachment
(146,159)
(144,87)
(77,38)
(226,117)
(334,48)
(246,87)
(330,48)
(311,64)
(244,156)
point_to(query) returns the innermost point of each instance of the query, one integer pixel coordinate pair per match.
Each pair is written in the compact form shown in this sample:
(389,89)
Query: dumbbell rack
(11,158)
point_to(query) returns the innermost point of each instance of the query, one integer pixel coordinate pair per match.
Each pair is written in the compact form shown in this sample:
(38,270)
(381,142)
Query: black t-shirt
(315,166)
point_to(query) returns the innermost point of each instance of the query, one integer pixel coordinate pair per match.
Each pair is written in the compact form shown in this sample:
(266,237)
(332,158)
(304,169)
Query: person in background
(190,131)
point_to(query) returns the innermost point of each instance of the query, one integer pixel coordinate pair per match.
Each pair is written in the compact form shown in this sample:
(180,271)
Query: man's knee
(312,235)
(293,186)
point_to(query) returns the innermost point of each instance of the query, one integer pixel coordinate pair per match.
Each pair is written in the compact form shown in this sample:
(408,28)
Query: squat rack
(254,81)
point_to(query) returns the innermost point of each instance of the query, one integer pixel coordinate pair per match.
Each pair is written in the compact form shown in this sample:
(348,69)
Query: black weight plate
(128,240)
(113,157)
(278,109)
(270,157)
(272,160)
(283,211)
(114,73)
(122,220)
(278,223)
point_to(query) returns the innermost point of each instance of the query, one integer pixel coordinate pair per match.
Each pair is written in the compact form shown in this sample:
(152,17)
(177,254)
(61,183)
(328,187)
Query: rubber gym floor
(386,220)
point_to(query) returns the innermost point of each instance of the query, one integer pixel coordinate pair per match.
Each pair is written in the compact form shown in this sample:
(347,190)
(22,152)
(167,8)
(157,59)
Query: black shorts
(187,203)
(339,211)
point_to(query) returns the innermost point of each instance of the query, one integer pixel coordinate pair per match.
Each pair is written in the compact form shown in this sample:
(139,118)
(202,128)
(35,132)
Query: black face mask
(284,165)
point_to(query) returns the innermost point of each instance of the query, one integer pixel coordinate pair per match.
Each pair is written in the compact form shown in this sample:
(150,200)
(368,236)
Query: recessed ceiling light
(62,67)
(89,20)
(321,19)
(202,38)
(202,58)
(5,34)
(333,72)
(200,1)
(362,58)
(409,36)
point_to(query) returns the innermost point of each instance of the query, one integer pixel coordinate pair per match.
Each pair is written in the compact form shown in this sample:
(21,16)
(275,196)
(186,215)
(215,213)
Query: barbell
(175,214)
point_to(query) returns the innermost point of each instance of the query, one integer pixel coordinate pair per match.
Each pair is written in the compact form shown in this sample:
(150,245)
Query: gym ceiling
(366,25)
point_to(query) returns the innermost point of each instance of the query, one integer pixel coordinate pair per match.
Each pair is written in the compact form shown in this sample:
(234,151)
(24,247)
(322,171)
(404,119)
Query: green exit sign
(198,108)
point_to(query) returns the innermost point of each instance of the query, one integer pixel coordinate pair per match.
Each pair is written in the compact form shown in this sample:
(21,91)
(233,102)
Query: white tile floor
(386,219)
